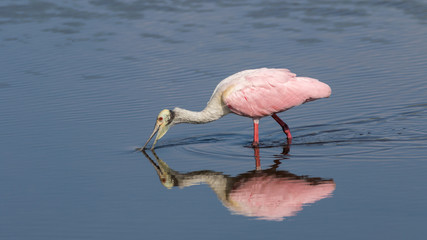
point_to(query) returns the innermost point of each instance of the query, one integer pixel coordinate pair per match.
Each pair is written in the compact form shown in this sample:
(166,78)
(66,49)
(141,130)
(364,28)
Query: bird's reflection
(269,194)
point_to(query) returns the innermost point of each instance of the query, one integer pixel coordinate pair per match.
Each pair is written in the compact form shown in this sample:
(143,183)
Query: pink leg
(284,127)
(255,143)
(257,159)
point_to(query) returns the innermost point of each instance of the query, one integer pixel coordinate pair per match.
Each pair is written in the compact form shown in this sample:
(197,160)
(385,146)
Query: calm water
(81,83)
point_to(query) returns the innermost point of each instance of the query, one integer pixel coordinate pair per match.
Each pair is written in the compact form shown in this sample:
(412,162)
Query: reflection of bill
(265,194)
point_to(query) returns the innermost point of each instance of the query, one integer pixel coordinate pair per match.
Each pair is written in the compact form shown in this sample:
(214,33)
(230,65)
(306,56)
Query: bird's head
(163,122)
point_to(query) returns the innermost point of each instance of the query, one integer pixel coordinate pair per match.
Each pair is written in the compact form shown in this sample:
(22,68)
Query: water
(82,82)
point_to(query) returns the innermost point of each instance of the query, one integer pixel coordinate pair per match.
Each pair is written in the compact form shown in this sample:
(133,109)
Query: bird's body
(254,93)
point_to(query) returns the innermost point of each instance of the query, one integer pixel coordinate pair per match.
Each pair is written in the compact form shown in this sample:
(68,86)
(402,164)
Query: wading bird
(254,93)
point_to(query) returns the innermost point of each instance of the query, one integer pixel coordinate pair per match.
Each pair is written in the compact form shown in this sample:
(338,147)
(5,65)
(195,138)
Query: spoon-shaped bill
(161,128)
(156,128)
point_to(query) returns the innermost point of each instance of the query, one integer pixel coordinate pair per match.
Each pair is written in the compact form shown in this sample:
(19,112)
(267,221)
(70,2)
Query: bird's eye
(160,119)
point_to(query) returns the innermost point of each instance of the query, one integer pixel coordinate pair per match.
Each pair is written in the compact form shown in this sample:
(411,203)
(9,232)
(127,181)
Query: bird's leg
(257,159)
(284,127)
(255,143)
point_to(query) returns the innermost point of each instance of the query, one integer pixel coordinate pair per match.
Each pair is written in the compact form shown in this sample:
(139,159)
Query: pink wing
(266,91)
(274,198)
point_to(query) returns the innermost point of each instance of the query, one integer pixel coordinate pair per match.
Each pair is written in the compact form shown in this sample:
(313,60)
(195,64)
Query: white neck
(217,181)
(213,111)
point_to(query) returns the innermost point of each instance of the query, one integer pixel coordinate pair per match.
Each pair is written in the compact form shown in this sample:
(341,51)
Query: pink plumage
(262,92)
(273,198)
(252,93)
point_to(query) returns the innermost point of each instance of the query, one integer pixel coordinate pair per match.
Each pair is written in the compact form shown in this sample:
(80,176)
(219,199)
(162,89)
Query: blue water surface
(82,82)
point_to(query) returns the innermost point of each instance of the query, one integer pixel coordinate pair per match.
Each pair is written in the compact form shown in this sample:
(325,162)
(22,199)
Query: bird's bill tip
(161,130)
(156,128)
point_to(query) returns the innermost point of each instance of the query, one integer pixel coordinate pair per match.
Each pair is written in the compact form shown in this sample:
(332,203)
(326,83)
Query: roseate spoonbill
(254,93)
